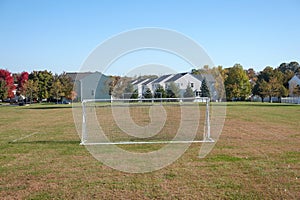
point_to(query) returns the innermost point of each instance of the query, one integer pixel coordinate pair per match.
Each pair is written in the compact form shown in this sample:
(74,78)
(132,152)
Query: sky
(58,35)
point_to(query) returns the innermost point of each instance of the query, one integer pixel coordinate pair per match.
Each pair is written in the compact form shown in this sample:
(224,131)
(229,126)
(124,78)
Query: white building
(293,83)
(160,81)
(182,80)
(90,85)
(141,85)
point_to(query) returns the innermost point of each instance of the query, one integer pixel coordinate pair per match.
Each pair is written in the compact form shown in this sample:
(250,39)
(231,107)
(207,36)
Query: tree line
(238,84)
(271,82)
(36,86)
(243,84)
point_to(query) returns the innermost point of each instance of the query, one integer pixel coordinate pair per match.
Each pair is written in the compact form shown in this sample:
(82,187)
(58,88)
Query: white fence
(295,100)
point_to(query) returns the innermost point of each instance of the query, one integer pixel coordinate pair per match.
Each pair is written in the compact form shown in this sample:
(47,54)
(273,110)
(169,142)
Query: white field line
(27,136)
(146,142)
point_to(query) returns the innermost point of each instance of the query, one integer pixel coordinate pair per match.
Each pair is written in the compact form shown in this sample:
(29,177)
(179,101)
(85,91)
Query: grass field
(256,157)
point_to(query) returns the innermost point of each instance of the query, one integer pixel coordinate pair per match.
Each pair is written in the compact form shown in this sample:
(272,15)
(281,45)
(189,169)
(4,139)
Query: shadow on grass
(265,104)
(47,107)
(47,142)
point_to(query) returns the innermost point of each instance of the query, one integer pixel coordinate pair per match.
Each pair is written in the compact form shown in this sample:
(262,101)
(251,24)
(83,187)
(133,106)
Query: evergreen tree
(148,94)
(204,89)
(173,91)
(135,94)
(160,92)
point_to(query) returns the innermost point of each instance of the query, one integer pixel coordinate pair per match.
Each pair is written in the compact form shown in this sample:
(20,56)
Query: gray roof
(80,75)
(176,77)
(142,81)
(161,78)
(149,81)
(139,81)
(198,76)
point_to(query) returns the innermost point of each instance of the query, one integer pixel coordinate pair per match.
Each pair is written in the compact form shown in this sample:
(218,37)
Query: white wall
(186,80)
(293,83)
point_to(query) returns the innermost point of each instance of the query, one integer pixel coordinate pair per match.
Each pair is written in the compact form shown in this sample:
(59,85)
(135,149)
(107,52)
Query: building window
(93,92)
(192,85)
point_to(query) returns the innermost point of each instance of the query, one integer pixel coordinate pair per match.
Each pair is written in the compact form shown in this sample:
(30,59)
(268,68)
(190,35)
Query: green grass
(256,157)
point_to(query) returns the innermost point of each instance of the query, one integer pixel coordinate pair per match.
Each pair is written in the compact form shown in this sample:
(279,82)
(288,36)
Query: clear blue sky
(58,35)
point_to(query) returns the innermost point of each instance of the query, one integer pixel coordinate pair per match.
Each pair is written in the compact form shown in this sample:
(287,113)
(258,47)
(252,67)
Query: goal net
(145,121)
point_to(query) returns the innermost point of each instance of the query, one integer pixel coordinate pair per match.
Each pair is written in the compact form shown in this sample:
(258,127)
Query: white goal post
(145,121)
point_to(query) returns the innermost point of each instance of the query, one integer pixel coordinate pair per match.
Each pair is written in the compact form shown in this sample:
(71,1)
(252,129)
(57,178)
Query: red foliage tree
(22,79)
(6,76)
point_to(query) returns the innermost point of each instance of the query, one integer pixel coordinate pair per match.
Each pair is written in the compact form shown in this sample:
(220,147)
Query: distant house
(293,83)
(182,80)
(95,85)
(90,85)
(160,81)
(141,85)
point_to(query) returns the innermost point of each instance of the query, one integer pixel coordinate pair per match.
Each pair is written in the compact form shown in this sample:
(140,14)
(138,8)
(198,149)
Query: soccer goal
(145,121)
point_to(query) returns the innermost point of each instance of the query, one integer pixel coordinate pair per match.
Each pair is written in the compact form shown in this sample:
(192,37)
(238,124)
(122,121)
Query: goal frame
(206,133)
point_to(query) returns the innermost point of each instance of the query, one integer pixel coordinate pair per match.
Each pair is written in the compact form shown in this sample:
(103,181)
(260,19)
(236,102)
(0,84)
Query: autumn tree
(3,90)
(56,88)
(66,86)
(6,84)
(21,81)
(292,66)
(44,81)
(270,84)
(252,76)
(261,89)
(237,85)
(219,75)
(31,89)
(289,70)
(117,85)
(129,88)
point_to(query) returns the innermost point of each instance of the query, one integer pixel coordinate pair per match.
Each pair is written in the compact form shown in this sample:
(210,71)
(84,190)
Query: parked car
(66,102)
